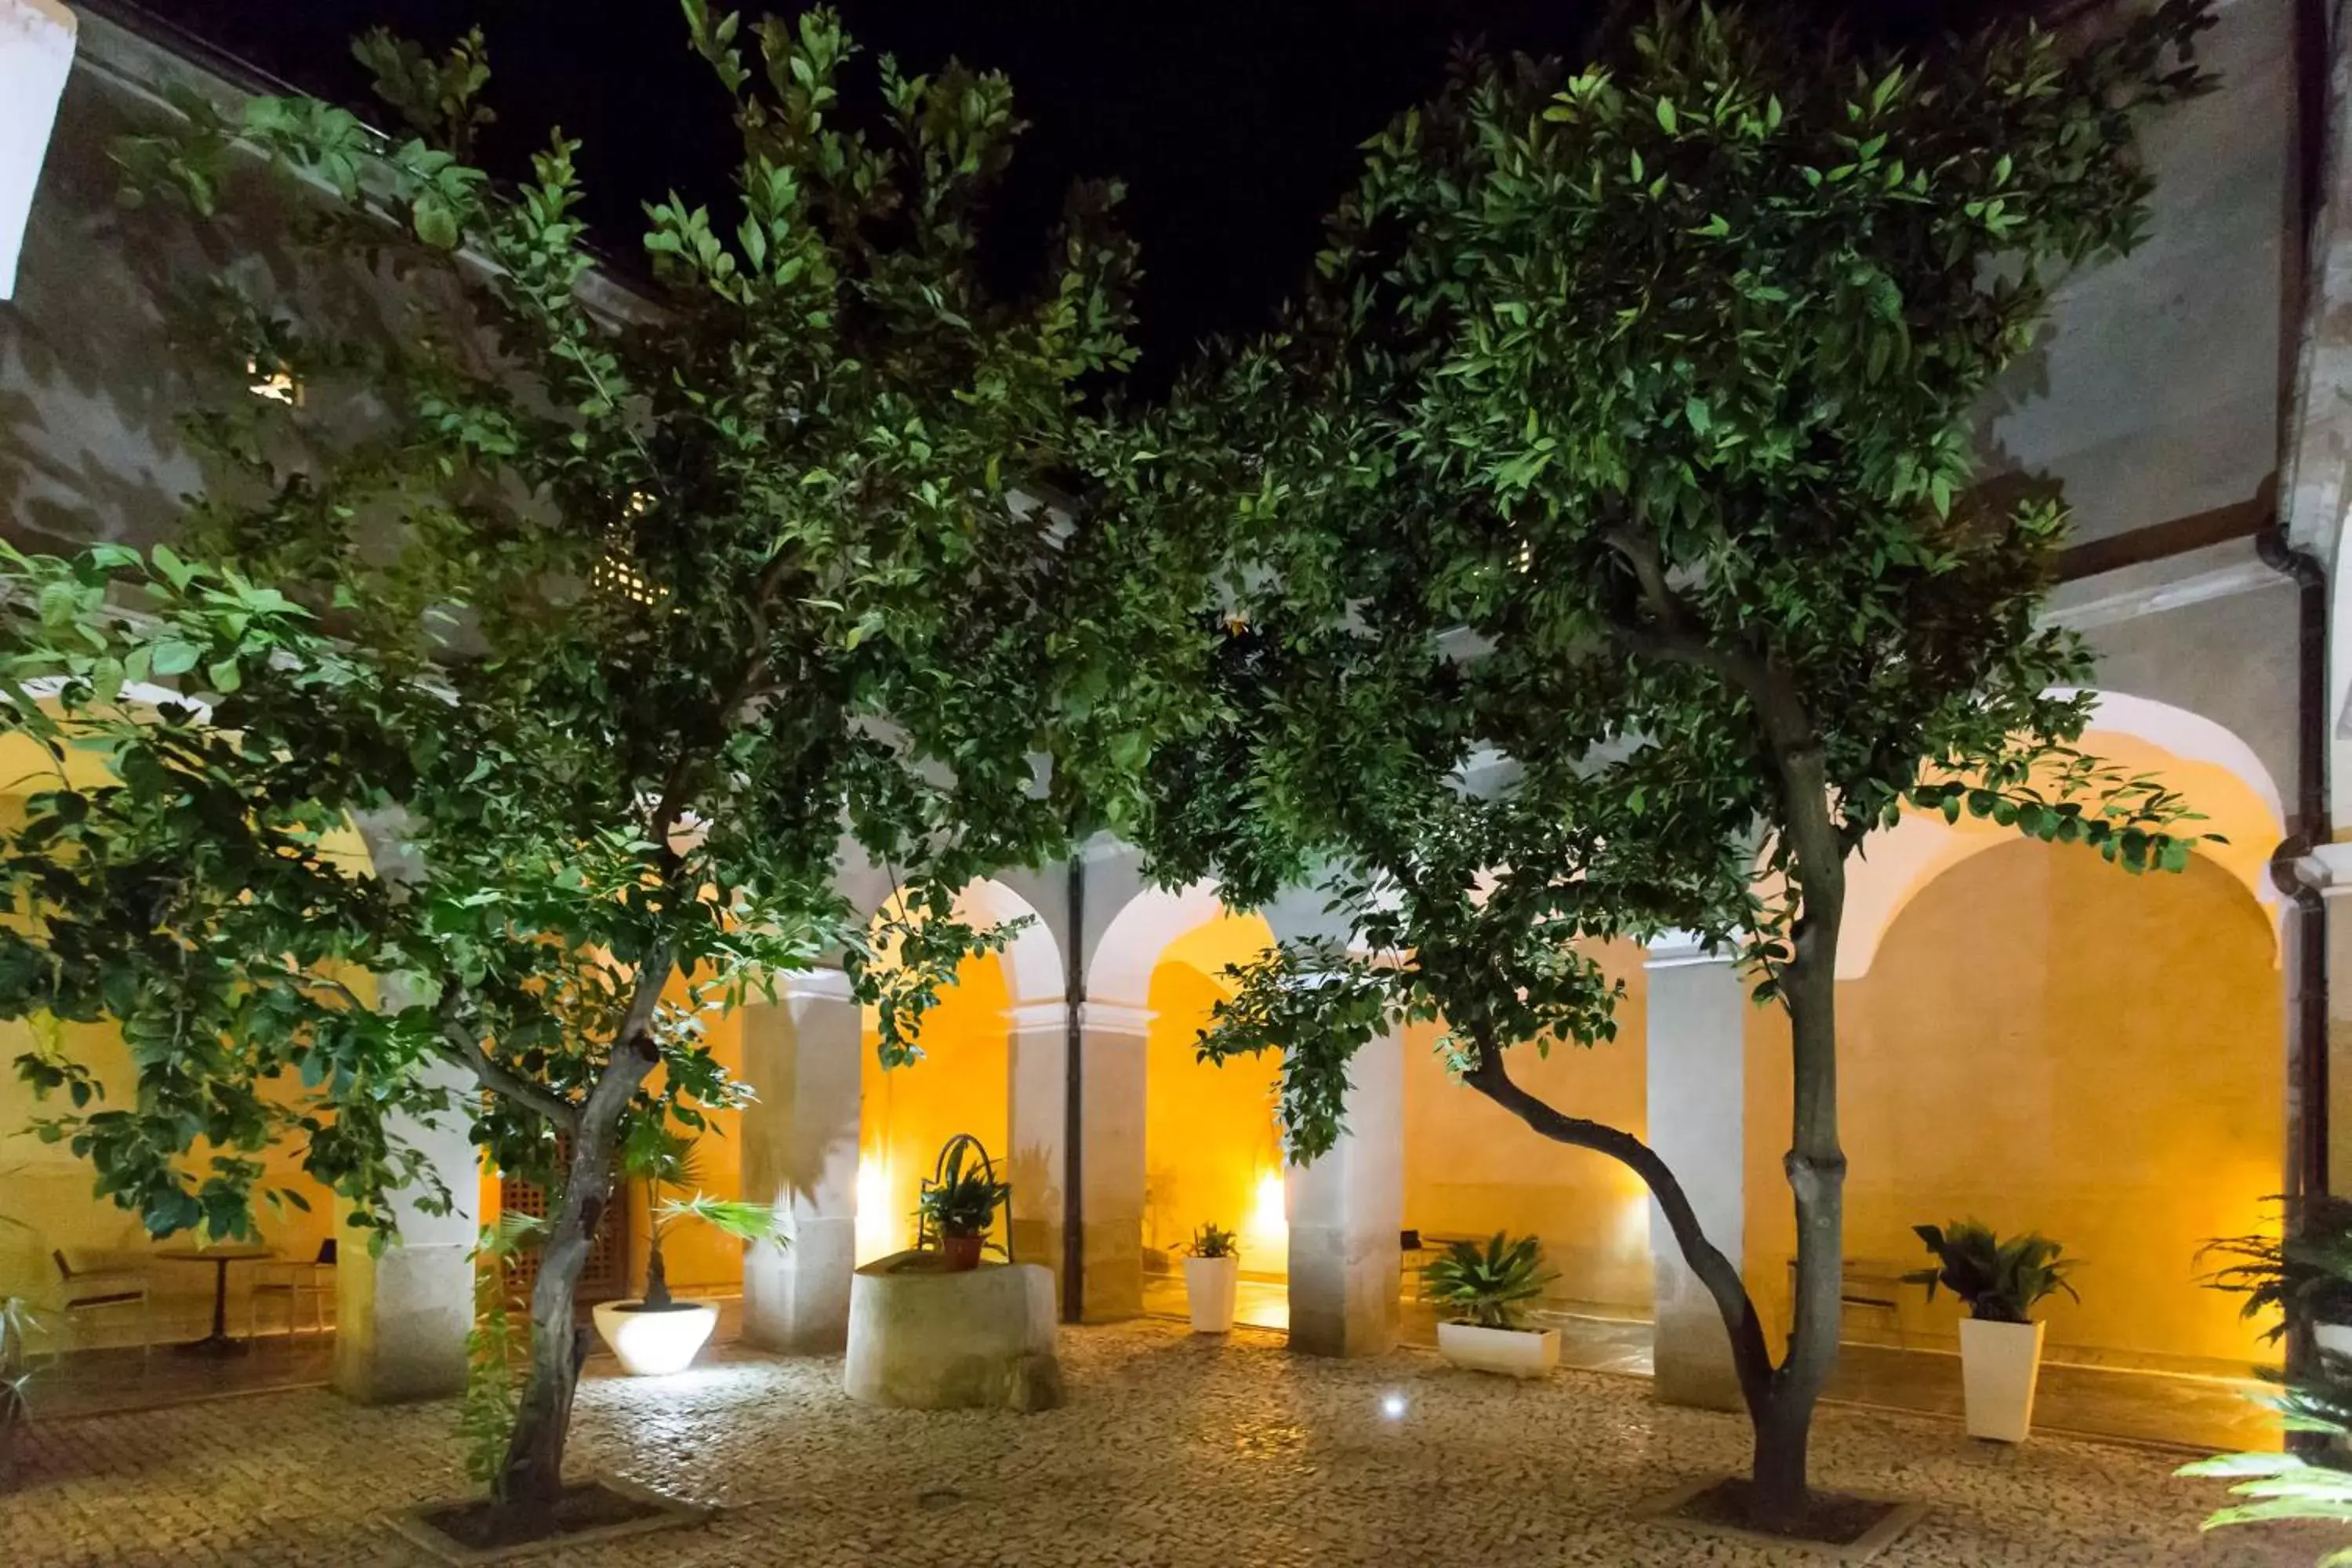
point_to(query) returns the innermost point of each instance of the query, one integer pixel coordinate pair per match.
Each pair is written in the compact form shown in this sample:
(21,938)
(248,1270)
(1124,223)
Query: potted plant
(1484,1288)
(2304,1275)
(660,1334)
(960,1204)
(2000,1344)
(1213,1276)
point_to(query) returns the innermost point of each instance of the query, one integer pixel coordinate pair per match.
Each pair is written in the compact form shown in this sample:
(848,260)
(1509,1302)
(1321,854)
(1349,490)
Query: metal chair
(292,1283)
(87,1291)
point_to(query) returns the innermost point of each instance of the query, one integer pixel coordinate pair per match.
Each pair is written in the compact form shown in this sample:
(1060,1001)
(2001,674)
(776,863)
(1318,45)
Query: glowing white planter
(1211,1286)
(2335,1339)
(1514,1352)
(655,1345)
(2000,1363)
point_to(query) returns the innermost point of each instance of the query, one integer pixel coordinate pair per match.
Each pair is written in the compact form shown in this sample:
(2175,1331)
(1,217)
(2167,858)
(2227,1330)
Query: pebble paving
(1173,1450)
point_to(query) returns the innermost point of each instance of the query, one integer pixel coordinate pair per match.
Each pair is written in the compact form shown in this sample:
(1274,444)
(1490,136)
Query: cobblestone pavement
(1173,1450)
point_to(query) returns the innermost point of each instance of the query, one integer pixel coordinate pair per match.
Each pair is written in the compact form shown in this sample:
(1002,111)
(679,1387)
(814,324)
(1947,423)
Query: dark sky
(1233,124)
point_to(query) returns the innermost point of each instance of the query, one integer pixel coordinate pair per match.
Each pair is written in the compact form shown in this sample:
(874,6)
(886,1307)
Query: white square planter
(1211,1286)
(1514,1352)
(2000,1363)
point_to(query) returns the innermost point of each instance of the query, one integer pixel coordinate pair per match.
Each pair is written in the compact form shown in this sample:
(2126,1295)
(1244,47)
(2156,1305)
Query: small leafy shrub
(1213,1240)
(1999,1281)
(498,1347)
(2306,1274)
(963,1201)
(1487,1286)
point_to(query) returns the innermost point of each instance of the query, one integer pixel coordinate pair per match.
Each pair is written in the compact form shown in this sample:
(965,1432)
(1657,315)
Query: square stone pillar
(1111,1152)
(801,1055)
(36,51)
(401,1318)
(1698,1102)
(1346,1212)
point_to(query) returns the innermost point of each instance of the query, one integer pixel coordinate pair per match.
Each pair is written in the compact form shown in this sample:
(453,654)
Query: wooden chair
(293,1283)
(87,1291)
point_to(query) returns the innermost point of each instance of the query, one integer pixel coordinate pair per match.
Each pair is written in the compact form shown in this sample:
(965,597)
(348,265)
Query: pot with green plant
(2000,1283)
(1213,1276)
(659,1334)
(1484,1291)
(959,1203)
(2300,1273)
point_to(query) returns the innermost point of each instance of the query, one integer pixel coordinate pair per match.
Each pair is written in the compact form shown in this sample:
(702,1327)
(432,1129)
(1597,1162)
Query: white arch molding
(1033,959)
(1131,945)
(2230,785)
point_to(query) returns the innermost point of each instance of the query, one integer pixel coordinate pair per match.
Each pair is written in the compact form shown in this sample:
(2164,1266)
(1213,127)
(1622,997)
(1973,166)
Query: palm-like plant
(1485,1285)
(2304,1274)
(664,1160)
(2000,1281)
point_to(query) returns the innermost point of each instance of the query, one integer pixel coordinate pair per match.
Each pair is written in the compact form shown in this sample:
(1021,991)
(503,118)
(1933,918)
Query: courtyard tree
(1609,560)
(616,615)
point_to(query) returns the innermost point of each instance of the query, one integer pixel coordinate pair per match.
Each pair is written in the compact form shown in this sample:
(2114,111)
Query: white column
(1697,1094)
(36,51)
(1346,1211)
(1039,1047)
(401,1318)
(1113,1038)
(801,1056)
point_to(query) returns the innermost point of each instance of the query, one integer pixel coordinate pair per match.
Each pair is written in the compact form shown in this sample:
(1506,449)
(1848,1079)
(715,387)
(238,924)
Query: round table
(217,1342)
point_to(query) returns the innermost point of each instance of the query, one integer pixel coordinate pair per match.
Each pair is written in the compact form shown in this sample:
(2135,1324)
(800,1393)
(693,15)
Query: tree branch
(1751,1356)
(457,1044)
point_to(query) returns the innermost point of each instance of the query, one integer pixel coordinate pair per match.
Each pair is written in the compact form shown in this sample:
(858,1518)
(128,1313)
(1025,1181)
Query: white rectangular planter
(1210,1286)
(2000,1363)
(1516,1353)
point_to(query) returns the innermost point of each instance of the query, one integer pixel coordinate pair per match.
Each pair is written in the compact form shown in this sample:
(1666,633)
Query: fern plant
(1999,1281)
(963,1200)
(1487,1286)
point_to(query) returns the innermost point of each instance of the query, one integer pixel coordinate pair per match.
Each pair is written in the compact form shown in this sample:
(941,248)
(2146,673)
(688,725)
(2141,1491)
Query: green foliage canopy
(618,618)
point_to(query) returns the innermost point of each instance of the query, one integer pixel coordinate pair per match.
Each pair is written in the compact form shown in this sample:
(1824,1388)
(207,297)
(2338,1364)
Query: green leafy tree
(619,619)
(1608,562)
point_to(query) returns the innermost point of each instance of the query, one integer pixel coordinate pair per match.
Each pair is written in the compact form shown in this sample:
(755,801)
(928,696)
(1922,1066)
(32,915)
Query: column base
(796,1298)
(401,1323)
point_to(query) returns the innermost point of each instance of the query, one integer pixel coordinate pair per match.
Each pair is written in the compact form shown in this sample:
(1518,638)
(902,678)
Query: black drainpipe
(1073,1101)
(2307,982)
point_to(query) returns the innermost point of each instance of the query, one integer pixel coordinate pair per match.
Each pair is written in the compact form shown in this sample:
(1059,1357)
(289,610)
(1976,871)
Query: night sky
(1235,125)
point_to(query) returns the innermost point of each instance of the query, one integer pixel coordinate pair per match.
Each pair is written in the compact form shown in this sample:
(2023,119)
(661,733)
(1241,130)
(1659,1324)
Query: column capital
(1108,1018)
(832,984)
(1677,949)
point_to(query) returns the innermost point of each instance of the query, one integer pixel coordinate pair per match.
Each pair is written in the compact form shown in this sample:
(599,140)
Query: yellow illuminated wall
(1472,1168)
(49,1191)
(1211,1152)
(2047,1043)
(961,1085)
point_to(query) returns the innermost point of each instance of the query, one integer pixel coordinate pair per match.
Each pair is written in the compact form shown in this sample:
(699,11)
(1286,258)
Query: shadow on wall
(2046,1043)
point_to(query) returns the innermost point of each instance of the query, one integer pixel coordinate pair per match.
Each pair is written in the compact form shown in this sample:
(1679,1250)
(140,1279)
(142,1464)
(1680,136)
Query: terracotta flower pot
(960,1251)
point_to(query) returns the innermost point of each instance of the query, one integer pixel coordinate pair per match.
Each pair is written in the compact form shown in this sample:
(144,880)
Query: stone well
(923,1337)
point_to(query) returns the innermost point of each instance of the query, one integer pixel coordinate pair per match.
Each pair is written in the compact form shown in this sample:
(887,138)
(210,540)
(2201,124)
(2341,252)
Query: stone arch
(1129,947)
(2210,763)
(1034,972)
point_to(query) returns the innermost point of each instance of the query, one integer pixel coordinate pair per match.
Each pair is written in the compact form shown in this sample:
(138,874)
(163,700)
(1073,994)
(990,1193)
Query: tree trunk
(532,1477)
(657,1275)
